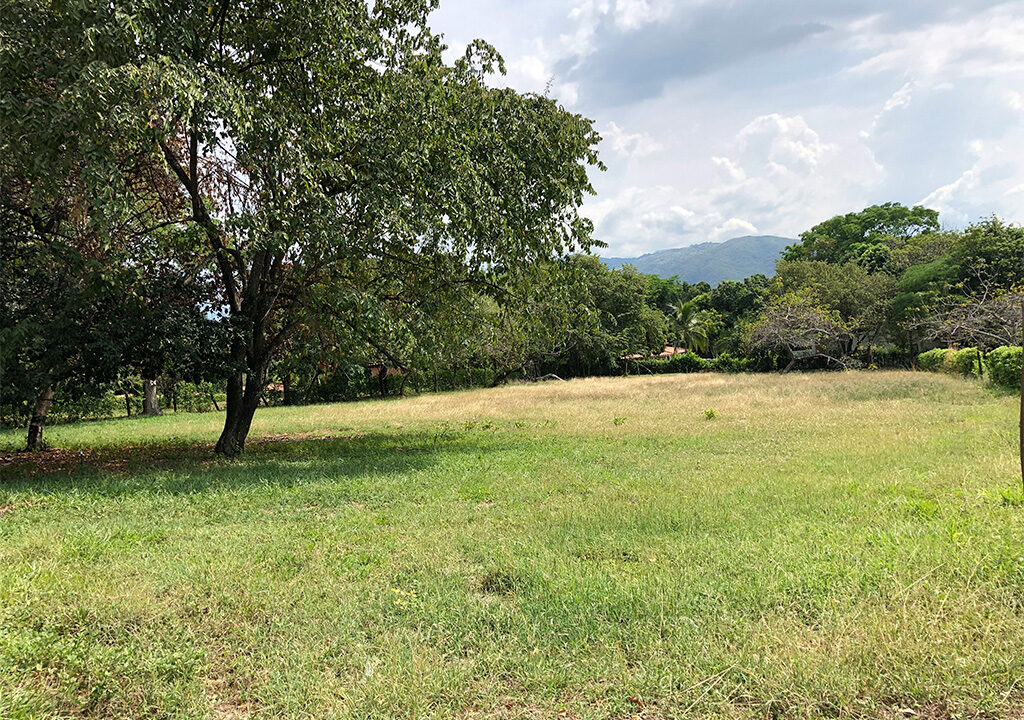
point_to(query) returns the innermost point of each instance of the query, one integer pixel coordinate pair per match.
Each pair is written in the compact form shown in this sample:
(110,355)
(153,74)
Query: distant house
(669,351)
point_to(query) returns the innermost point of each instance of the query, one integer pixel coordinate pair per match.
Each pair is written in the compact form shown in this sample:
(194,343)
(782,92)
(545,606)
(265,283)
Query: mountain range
(712,262)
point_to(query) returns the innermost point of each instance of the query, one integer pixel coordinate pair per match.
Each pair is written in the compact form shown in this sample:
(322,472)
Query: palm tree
(693,331)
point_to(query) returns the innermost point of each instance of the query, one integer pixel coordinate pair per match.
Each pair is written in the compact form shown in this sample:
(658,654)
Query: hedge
(1004,367)
(955,362)
(686,362)
(964,362)
(933,360)
(731,364)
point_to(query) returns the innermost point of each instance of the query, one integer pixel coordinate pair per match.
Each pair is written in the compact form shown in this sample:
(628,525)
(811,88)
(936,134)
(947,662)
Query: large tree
(861,300)
(328,142)
(867,237)
(82,199)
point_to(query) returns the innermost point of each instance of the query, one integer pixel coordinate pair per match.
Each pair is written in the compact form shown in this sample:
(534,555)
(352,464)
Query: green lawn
(828,545)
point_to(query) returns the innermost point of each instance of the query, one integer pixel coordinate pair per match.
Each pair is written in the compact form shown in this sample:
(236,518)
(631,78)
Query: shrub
(194,398)
(683,363)
(933,360)
(74,409)
(963,362)
(730,364)
(483,377)
(1004,367)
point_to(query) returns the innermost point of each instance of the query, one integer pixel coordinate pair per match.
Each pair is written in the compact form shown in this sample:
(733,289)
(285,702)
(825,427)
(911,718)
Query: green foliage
(728,363)
(967,362)
(1004,367)
(625,323)
(194,397)
(866,237)
(338,150)
(71,408)
(695,328)
(687,362)
(933,360)
(990,254)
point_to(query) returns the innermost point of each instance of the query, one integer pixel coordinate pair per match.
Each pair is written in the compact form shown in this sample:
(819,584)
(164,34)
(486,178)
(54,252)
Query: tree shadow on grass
(178,468)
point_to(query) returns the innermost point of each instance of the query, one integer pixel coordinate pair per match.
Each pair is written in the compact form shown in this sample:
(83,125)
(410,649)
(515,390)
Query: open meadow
(679,546)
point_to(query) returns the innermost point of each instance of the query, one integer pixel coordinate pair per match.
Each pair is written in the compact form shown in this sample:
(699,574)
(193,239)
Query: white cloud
(1015,100)
(726,118)
(986,45)
(634,14)
(732,170)
(533,68)
(900,98)
(635,145)
(789,179)
(943,198)
(786,142)
(733,227)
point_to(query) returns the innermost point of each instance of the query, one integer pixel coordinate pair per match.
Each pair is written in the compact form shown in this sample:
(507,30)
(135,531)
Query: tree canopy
(299,145)
(867,237)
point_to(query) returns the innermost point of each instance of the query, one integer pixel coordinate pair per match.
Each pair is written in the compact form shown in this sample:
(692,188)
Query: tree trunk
(127,402)
(469,376)
(243,399)
(150,399)
(286,384)
(38,420)
(436,386)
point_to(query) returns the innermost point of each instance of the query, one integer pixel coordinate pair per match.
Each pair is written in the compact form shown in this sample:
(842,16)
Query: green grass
(831,545)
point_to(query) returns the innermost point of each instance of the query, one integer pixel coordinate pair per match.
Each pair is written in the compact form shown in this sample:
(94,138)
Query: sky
(723,118)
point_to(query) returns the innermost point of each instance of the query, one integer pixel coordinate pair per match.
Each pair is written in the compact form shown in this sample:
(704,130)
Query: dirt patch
(48,461)
(57,461)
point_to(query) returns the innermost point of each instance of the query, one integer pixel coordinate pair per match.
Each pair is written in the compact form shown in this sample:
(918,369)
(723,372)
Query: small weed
(710,414)
(1012,497)
(443,432)
(923,508)
(619,420)
(404,598)
(499,581)
(469,425)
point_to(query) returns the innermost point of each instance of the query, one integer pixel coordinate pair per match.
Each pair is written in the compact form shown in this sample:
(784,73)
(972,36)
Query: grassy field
(828,545)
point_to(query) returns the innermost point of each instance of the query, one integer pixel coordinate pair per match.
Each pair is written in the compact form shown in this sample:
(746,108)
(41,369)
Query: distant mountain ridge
(712,262)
